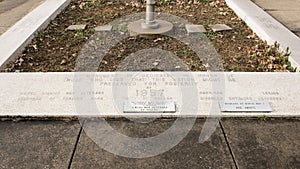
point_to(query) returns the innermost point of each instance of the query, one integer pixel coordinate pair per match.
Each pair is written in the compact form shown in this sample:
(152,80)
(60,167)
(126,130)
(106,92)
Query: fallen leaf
(64,61)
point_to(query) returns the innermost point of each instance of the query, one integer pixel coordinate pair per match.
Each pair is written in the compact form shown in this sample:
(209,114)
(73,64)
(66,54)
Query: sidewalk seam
(75,146)
(228,145)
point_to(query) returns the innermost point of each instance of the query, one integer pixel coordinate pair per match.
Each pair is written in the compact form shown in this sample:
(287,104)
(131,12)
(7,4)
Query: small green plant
(211,35)
(80,34)
(164,2)
(270,58)
(41,35)
(53,22)
(262,118)
(88,5)
(202,1)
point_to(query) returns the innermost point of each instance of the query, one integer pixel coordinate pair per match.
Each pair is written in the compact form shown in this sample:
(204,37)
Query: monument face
(149,93)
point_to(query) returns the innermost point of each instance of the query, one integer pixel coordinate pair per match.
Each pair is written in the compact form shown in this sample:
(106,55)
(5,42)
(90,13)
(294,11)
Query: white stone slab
(220,27)
(70,94)
(103,28)
(14,40)
(267,28)
(76,27)
(195,28)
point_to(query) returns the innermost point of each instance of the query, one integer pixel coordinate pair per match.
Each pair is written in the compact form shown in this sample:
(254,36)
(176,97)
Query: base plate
(137,29)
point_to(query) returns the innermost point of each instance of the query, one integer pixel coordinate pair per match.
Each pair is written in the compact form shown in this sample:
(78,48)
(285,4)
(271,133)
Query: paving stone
(103,28)
(195,28)
(15,10)
(220,27)
(3,29)
(264,144)
(76,27)
(7,5)
(289,18)
(187,154)
(37,144)
(291,5)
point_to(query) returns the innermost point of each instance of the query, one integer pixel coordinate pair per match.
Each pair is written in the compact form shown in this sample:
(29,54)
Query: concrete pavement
(287,12)
(11,11)
(37,144)
(236,143)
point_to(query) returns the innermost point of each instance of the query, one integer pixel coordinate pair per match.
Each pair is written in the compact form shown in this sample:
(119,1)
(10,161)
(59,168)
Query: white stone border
(267,28)
(14,40)
(52,94)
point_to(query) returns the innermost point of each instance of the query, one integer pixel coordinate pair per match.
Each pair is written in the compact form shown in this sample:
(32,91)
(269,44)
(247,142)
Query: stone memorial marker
(56,94)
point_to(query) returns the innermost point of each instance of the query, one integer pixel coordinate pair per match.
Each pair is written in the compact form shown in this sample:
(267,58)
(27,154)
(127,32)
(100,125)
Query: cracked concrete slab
(187,154)
(37,144)
(263,144)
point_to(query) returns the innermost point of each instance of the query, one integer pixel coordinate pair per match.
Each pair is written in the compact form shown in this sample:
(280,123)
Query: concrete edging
(14,40)
(267,28)
(67,94)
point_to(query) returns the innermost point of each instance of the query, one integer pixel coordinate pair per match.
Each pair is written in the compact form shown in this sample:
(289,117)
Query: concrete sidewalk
(236,143)
(286,12)
(11,11)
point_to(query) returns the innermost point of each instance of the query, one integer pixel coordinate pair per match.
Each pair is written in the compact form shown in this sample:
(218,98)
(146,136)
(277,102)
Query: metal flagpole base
(140,27)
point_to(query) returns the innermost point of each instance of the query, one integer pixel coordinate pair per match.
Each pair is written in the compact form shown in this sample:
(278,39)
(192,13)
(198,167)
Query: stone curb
(14,40)
(267,28)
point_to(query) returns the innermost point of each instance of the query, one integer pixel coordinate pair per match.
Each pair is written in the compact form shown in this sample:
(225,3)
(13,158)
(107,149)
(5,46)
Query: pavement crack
(75,146)
(228,145)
